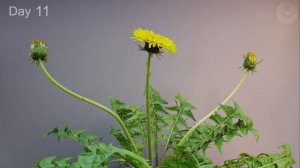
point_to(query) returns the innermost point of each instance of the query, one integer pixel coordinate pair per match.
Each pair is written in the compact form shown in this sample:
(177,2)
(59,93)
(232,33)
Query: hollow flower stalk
(250,65)
(39,55)
(153,44)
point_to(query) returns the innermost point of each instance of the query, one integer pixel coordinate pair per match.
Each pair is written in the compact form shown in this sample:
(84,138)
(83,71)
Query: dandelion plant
(159,135)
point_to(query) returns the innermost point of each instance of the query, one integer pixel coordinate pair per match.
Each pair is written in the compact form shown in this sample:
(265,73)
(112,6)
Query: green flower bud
(250,61)
(38,50)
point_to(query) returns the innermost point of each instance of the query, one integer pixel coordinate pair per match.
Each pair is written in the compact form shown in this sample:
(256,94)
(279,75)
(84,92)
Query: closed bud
(38,50)
(250,61)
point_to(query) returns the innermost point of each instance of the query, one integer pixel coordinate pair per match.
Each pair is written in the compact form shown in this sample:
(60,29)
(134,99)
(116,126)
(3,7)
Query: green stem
(147,88)
(190,132)
(156,147)
(155,134)
(92,102)
(171,133)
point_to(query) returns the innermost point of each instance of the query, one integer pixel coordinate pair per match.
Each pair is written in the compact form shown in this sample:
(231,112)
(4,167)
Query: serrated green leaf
(263,160)
(233,122)
(134,119)
(115,104)
(63,163)
(219,142)
(47,162)
(121,138)
(96,154)
(255,133)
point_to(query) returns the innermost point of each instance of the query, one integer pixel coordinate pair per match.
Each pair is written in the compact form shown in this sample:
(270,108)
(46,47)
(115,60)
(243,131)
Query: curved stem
(92,102)
(190,132)
(147,90)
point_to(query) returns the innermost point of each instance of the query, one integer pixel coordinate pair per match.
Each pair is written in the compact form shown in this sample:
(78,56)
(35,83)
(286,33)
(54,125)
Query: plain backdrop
(90,52)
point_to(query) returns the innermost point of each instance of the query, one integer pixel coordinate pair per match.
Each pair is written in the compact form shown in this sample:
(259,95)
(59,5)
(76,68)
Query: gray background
(90,52)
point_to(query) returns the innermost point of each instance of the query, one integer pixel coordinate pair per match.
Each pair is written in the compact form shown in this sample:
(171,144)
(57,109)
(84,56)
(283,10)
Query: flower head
(38,50)
(250,61)
(154,43)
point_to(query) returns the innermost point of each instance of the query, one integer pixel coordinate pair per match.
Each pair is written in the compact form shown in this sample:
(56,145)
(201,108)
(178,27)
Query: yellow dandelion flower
(154,43)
